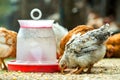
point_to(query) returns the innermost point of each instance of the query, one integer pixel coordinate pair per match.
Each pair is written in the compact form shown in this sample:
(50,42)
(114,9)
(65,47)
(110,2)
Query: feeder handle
(39,14)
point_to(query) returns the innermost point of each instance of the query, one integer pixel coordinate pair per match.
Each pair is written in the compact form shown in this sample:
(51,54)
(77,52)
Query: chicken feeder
(36,46)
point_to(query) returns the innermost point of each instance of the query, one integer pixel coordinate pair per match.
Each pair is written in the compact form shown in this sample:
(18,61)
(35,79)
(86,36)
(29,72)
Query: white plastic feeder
(36,46)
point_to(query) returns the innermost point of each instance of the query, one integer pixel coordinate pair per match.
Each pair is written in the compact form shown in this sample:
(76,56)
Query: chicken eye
(113,44)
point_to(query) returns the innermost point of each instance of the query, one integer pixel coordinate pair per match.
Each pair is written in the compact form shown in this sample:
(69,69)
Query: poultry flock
(8,40)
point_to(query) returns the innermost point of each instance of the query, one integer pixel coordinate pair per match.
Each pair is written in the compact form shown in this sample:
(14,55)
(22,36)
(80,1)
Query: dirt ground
(106,69)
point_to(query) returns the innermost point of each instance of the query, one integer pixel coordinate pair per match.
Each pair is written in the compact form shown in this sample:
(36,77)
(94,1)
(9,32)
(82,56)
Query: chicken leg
(2,63)
(63,68)
(89,68)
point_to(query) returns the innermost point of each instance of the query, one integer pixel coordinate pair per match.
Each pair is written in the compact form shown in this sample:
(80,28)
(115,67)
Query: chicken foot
(78,70)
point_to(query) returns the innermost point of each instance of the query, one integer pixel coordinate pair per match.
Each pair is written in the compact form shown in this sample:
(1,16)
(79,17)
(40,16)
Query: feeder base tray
(24,67)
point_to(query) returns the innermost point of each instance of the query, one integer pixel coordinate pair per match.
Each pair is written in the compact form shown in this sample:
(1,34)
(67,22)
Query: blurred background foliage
(68,13)
(5,7)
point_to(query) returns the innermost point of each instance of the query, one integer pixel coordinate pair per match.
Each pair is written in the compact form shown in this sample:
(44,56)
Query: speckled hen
(83,51)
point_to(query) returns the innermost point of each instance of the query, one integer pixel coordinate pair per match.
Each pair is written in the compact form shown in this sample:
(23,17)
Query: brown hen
(113,46)
(7,45)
